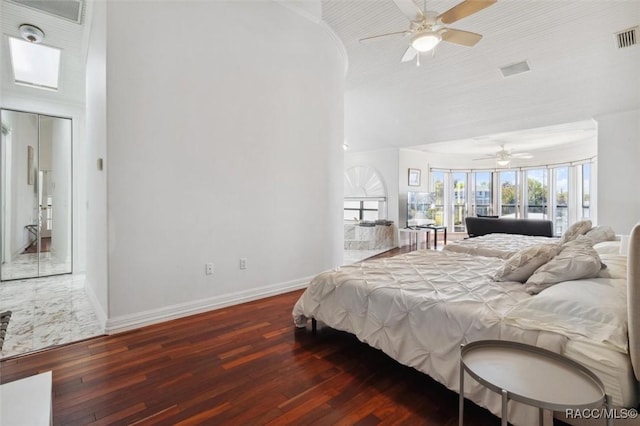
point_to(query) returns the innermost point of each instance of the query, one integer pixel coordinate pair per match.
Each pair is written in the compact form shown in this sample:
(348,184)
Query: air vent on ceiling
(627,38)
(513,69)
(71,10)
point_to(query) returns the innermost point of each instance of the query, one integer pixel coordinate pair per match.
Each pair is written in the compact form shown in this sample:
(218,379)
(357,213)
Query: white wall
(96,147)
(224,141)
(618,170)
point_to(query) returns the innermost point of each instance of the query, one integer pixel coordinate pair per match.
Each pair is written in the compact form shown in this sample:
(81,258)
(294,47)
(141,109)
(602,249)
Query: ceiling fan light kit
(425,41)
(428,28)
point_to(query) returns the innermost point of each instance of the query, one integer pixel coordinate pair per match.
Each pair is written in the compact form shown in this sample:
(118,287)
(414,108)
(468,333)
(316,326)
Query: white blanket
(497,245)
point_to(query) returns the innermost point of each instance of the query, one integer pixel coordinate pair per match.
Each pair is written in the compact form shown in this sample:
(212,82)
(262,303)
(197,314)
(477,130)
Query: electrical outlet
(208,268)
(243,263)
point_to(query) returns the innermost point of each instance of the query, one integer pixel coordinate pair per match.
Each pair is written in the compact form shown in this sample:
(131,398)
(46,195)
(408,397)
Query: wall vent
(513,69)
(627,38)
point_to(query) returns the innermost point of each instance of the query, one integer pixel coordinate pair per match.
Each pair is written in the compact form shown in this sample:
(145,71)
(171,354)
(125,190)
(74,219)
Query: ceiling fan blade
(523,155)
(410,9)
(464,9)
(488,157)
(382,35)
(409,54)
(464,38)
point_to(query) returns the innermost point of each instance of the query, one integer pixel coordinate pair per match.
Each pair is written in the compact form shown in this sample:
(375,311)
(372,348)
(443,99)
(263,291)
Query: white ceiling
(64,34)
(460,95)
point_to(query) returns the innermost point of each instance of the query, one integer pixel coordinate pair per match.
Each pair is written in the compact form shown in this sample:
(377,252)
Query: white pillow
(577,259)
(581,227)
(593,308)
(616,266)
(521,265)
(598,234)
(607,247)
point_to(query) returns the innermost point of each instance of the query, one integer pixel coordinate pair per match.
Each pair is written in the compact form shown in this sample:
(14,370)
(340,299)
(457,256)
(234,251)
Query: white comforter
(420,307)
(497,245)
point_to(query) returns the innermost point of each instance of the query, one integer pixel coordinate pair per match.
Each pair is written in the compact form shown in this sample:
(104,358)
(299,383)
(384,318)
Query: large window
(560,193)
(509,194)
(361,210)
(537,193)
(586,190)
(561,185)
(437,187)
(483,193)
(459,201)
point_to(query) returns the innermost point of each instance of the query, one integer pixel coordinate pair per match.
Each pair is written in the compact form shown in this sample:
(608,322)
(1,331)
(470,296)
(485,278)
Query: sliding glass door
(35,204)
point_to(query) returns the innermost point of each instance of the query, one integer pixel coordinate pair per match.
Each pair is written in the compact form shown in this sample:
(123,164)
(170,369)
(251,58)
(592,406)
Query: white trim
(97,307)
(166,313)
(320,22)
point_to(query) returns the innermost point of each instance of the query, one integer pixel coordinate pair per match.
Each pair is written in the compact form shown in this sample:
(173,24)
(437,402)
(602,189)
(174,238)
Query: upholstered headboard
(633,298)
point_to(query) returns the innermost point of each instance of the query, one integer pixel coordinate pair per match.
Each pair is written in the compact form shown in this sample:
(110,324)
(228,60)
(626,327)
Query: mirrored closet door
(35,200)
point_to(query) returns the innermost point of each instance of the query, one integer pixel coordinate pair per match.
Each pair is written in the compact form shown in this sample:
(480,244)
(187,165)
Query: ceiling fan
(428,28)
(503,157)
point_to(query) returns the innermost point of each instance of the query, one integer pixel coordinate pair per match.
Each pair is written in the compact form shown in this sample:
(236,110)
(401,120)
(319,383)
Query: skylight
(34,64)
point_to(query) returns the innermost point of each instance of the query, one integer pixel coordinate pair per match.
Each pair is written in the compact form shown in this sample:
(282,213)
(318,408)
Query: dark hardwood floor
(245,364)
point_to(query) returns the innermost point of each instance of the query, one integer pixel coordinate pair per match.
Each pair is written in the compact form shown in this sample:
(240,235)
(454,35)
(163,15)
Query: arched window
(365,194)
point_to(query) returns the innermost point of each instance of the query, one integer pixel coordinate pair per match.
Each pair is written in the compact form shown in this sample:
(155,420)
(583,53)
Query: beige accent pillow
(577,259)
(521,265)
(579,228)
(598,234)
(616,266)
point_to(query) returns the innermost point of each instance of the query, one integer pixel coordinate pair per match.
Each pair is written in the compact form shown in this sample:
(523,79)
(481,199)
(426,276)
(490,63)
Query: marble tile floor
(46,311)
(26,264)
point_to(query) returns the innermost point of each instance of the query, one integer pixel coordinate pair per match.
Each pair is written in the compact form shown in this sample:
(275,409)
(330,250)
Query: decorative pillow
(577,259)
(598,234)
(579,228)
(593,308)
(521,265)
(607,247)
(616,266)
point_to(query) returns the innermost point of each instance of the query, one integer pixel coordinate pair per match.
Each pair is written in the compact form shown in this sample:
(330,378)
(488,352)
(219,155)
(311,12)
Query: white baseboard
(97,307)
(154,316)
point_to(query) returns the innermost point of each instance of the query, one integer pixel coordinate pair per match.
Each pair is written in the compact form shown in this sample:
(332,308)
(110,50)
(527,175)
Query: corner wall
(618,170)
(224,142)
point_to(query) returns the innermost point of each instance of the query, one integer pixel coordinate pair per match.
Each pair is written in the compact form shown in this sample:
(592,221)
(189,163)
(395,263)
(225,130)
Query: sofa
(477,226)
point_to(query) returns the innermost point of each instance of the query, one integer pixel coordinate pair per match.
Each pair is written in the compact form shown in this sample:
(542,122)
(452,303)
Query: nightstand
(530,375)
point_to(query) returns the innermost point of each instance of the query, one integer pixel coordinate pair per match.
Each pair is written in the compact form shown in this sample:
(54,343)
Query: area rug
(4,323)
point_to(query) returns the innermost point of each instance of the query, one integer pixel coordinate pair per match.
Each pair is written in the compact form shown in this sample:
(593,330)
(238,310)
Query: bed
(506,245)
(497,245)
(420,307)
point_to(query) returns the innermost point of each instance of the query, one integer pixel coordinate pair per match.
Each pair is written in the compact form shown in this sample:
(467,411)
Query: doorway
(36,199)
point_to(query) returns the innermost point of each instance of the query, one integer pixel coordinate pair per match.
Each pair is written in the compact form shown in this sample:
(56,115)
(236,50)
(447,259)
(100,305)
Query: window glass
(508,194)
(586,190)
(561,185)
(459,201)
(436,213)
(483,193)
(537,193)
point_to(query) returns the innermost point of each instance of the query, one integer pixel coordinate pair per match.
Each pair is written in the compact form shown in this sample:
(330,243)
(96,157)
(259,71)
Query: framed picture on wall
(414,177)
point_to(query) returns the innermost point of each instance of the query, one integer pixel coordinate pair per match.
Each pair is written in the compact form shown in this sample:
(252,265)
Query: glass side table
(530,375)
